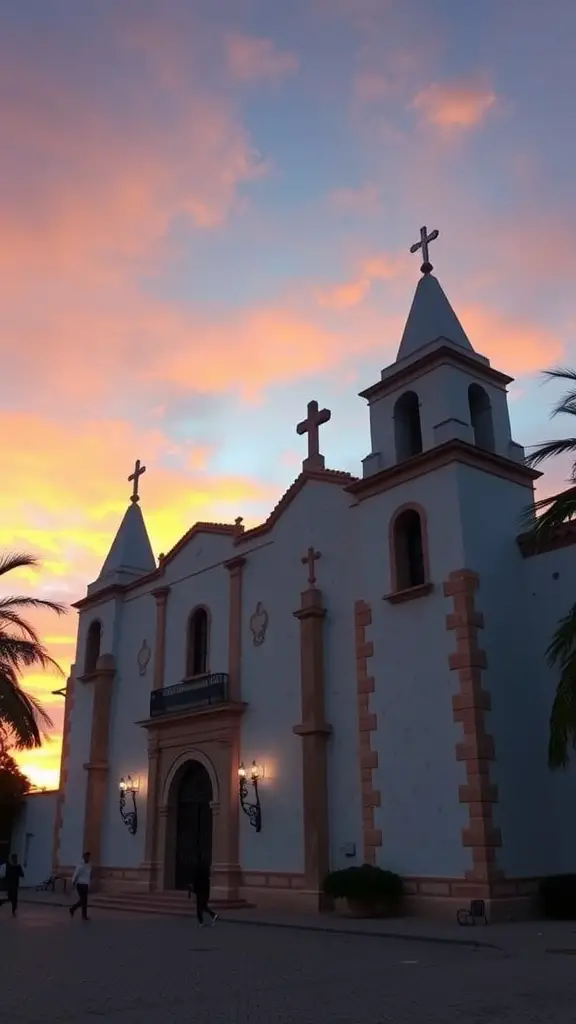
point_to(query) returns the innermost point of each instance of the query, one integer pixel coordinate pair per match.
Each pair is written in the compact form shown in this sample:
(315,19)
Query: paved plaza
(137,969)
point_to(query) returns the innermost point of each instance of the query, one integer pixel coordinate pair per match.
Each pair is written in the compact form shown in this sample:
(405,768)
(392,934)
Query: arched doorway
(193,821)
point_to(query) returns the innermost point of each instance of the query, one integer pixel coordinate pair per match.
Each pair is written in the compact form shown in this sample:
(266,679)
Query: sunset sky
(205,216)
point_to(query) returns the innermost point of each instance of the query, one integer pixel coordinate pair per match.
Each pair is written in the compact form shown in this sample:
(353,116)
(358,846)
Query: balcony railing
(196,694)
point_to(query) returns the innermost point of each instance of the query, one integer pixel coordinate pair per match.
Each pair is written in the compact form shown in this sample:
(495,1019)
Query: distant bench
(50,884)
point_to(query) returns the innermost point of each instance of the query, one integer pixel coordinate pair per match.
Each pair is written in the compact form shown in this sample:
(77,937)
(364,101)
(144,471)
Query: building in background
(32,836)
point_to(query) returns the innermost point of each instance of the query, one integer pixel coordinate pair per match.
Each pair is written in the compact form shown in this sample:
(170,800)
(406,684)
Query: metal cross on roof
(134,477)
(425,238)
(310,425)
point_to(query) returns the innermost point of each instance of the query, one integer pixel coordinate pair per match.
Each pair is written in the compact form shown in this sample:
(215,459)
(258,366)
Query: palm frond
(32,602)
(11,618)
(541,519)
(17,560)
(21,715)
(21,653)
(548,449)
(561,653)
(562,647)
(562,726)
(23,720)
(560,373)
(566,404)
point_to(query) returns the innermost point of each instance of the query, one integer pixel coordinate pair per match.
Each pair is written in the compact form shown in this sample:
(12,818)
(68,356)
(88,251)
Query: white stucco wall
(271,682)
(197,577)
(33,834)
(128,750)
(418,775)
(547,599)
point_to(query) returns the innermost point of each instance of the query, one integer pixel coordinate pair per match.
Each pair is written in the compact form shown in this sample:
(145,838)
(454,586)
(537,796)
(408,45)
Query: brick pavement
(141,970)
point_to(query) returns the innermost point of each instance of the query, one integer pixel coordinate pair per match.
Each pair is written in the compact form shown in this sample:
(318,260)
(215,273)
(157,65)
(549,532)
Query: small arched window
(197,643)
(481,417)
(408,550)
(93,641)
(407,426)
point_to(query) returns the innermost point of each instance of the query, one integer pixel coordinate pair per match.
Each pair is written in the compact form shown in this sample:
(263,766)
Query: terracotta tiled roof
(562,537)
(222,529)
(330,476)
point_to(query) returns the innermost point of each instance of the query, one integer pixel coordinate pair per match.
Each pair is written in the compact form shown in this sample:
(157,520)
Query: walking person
(201,886)
(81,879)
(12,876)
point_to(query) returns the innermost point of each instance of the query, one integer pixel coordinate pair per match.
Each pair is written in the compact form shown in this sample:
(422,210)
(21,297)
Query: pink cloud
(454,106)
(366,199)
(251,59)
(343,296)
(380,267)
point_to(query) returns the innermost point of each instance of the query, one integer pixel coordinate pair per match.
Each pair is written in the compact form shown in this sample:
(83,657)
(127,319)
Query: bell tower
(439,389)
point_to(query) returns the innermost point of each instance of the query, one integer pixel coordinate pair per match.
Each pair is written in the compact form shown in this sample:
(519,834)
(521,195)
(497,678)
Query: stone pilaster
(98,766)
(235,568)
(149,865)
(314,732)
(161,596)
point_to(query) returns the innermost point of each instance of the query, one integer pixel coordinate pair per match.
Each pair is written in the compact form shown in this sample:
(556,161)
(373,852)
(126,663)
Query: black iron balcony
(188,696)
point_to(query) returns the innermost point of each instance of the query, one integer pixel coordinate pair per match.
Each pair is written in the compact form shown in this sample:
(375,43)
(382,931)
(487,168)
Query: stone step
(170,896)
(160,903)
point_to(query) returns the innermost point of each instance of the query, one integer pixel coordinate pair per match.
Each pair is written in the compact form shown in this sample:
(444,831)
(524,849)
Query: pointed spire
(131,554)
(131,551)
(431,318)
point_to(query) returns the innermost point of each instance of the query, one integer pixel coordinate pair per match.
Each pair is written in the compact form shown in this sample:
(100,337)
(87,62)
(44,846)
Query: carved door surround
(212,737)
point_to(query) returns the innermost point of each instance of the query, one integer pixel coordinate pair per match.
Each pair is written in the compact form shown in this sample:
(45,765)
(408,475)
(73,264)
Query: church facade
(360,678)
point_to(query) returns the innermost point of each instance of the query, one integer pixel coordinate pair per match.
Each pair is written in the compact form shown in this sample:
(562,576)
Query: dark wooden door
(193,823)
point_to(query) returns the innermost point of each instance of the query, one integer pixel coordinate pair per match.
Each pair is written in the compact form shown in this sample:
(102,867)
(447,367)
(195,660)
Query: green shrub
(558,897)
(365,884)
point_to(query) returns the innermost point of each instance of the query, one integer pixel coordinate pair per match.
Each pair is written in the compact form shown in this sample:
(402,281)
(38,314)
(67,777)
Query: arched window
(93,641)
(481,417)
(407,427)
(197,643)
(408,550)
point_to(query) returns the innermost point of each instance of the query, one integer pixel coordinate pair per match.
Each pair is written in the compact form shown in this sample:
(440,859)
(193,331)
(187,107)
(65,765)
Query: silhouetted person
(81,879)
(13,875)
(201,886)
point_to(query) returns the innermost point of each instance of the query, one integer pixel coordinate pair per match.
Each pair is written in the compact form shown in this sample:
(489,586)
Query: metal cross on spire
(310,425)
(425,238)
(134,477)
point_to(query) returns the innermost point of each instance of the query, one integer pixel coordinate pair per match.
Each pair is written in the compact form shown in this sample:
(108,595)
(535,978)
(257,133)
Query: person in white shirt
(81,879)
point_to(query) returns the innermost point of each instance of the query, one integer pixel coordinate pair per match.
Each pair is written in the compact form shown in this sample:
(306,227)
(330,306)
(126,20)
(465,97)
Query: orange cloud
(252,60)
(513,346)
(381,267)
(68,491)
(43,766)
(454,106)
(343,296)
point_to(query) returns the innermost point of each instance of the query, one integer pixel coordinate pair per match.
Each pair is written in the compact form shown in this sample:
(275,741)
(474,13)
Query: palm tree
(553,512)
(23,720)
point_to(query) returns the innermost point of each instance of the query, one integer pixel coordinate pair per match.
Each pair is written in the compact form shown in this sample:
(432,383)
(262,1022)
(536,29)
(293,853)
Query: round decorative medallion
(259,624)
